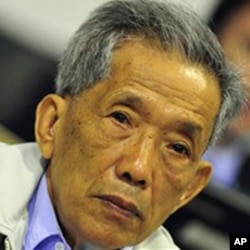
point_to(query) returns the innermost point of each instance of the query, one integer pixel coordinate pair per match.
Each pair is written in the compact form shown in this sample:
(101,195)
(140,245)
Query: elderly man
(142,90)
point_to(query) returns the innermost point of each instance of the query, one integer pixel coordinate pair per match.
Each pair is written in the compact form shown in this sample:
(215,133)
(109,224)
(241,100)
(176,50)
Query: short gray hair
(87,59)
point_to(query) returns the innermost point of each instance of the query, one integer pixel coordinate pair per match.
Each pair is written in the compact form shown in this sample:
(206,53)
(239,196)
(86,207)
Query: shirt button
(59,246)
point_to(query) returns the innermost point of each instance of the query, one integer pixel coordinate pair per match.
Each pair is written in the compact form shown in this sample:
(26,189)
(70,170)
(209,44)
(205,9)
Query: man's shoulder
(160,239)
(20,156)
(20,170)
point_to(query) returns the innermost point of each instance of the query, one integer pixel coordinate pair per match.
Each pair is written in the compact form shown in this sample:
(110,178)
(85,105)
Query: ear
(197,184)
(49,111)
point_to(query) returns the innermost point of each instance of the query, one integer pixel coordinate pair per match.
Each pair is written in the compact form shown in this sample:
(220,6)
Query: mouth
(125,207)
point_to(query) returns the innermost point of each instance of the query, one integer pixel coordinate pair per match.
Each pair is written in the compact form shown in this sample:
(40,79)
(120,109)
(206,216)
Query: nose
(136,165)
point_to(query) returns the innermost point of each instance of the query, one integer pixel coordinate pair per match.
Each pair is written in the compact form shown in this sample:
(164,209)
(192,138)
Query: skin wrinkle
(136,93)
(190,71)
(132,100)
(175,90)
(142,109)
(195,108)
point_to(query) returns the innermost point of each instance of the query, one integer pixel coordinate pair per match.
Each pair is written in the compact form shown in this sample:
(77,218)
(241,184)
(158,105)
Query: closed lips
(121,203)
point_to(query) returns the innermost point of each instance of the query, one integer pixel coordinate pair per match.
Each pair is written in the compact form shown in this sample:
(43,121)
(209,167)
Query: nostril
(142,183)
(126,176)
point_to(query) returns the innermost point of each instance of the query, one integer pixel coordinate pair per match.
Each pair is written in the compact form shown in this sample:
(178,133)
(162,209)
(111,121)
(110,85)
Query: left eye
(120,117)
(180,149)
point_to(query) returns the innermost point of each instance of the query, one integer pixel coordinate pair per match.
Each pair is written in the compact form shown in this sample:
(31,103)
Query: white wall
(46,25)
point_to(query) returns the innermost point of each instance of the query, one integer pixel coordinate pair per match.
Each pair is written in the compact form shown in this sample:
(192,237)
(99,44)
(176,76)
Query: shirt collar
(42,222)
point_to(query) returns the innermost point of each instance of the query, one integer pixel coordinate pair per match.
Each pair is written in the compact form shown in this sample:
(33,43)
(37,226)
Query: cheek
(70,160)
(164,201)
(180,181)
(178,172)
(83,151)
(167,192)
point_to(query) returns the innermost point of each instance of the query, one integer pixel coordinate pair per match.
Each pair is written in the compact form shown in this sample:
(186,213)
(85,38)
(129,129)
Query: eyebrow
(189,128)
(129,99)
(134,101)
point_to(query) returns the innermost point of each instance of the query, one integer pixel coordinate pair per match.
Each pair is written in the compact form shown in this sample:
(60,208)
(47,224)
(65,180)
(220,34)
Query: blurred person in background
(231,156)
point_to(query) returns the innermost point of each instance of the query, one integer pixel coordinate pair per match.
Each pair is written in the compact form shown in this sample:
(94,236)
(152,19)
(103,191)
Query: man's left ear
(198,183)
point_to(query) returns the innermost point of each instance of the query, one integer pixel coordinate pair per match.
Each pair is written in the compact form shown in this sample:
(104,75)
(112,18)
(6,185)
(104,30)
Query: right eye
(180,149)
(120,117)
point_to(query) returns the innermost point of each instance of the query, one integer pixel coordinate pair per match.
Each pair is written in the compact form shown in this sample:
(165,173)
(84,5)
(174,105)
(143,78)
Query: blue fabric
(43,230)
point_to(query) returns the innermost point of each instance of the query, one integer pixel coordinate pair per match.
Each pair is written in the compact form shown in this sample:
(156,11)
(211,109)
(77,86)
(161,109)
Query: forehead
(160,69)
(150,79)
(134,50)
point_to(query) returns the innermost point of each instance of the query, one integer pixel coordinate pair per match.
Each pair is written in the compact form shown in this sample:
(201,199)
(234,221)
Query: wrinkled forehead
(153,42)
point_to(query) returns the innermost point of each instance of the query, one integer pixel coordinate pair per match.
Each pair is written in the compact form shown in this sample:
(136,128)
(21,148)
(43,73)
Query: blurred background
(33,35)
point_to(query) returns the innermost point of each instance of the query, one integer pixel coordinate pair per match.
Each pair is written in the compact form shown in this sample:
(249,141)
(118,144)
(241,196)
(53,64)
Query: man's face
(125,154)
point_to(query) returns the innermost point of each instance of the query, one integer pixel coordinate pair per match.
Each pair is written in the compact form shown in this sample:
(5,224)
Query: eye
(180,149)
(120,117)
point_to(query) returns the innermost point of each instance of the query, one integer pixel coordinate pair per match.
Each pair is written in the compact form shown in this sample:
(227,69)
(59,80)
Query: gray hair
(87,59)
